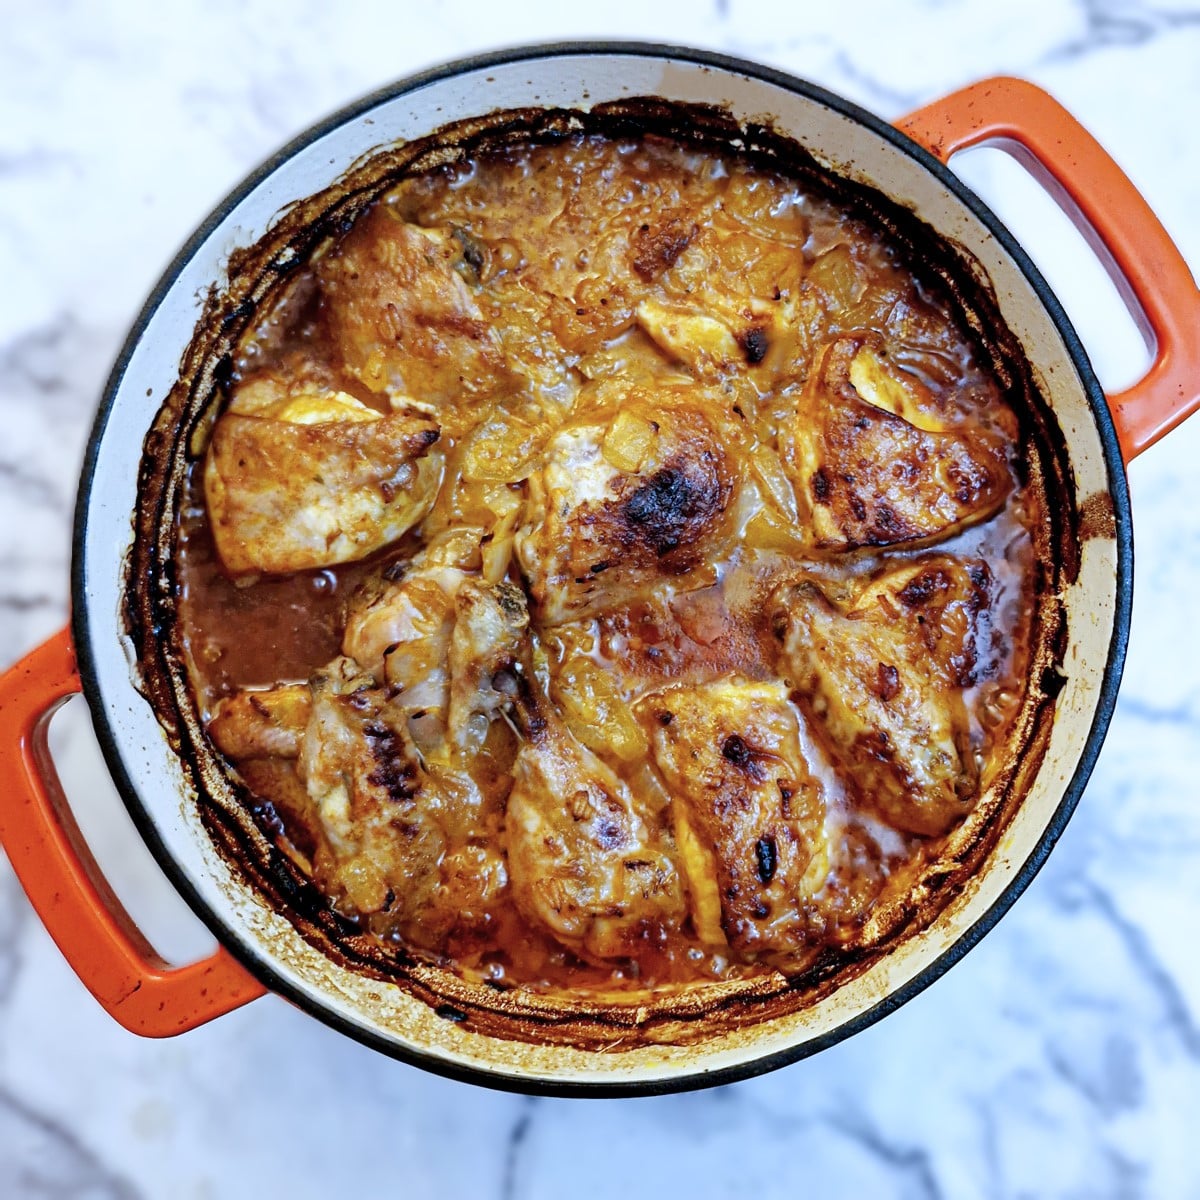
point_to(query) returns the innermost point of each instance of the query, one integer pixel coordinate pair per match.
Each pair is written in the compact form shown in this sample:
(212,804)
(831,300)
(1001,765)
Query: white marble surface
(1061,1058)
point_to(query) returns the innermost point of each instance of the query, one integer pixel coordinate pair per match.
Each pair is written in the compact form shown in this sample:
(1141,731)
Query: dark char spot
(656,250)
(754,344)
(668,503)
(920,589)
(768,858)
(736,750)
(820,485)
(885,518)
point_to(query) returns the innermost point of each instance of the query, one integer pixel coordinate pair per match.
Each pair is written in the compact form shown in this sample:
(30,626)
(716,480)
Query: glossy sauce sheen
(586,261)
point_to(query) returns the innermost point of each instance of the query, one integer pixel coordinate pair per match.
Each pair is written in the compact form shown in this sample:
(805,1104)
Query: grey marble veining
(1061,1058)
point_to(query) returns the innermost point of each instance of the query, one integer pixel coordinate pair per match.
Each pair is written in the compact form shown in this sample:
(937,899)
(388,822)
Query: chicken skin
(404,320)
(436,636)
(625,499)
(881,673)
(747,814)
(399,621)
(300,477)
(262,723)
(587,858)
(392,822)
(874,464)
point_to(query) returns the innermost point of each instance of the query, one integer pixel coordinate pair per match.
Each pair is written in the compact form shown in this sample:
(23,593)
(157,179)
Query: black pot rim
(262,967)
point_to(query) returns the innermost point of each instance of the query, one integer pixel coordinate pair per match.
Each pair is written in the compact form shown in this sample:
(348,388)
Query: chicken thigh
(436,636)
(299,477)
(404,320)
(626,497)
(881,673)
(873,461)
(585,856)
(747,814)
(397,827)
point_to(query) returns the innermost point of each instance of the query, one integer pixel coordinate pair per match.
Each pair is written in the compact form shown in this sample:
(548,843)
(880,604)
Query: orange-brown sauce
(560,244)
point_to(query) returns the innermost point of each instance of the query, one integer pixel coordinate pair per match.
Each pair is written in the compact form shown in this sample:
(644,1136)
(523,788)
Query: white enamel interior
(567,80)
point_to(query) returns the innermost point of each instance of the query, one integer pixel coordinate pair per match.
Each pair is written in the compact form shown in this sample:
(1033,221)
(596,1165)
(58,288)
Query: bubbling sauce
(611,570)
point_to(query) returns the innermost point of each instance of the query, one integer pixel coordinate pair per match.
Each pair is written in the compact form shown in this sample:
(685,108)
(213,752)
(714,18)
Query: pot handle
(1118,224)
(83,916)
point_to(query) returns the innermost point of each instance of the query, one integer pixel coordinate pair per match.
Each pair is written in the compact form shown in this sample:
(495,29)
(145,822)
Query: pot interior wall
(158,790)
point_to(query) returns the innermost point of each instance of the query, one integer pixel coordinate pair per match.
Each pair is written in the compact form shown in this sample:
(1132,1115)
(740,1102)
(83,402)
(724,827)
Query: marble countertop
(1061,1058)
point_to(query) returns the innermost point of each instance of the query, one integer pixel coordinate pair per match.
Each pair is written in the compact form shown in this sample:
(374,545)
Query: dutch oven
(259,948)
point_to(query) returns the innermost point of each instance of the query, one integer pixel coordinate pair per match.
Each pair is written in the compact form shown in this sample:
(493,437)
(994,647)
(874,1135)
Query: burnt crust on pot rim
(255,277)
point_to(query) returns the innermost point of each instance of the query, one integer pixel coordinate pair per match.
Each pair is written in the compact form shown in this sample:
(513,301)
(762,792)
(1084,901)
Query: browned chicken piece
(873,462)
(399,630)
(303,386)
(261,731)
(586,861)
(437,636)
(625,499)
(395,830)
(490,638)
(314,478)
(747,814)
(394,621)
(881,672)
(714,334)
(404,320)
(262,723)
